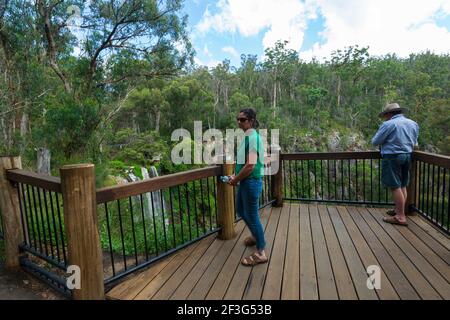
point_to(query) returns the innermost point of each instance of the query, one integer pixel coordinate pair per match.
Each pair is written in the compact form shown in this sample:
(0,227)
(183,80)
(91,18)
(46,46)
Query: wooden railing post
(10,210)
(277,184)
(225,205)
(81,223)
(411,189)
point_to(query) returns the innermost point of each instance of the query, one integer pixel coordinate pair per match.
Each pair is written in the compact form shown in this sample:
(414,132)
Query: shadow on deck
(316,252)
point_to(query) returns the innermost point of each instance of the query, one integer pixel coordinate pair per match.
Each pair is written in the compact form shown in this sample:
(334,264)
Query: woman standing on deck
(249,174)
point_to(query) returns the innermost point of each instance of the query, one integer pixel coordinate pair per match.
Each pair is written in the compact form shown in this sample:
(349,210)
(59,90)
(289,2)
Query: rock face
(334,141)
(353,141)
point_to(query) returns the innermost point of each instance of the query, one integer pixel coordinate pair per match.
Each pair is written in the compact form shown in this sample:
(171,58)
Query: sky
(225,29)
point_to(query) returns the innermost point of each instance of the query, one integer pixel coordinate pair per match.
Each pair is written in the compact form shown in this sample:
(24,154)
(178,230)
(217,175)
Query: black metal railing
(44,246)
(138,230)
(431,191)
(343,177)
(2,236)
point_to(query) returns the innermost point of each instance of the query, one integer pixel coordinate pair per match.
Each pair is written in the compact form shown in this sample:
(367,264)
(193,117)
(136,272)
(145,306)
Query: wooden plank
(432,158)
(427,270)
(221,283)
(149,275)
(240,278)
(331,155)
(308,278)
(220,286)
(186,286)
(257,278)
(274,277)
(394,274)
(291,276)
(342,277)
(196,263)
(137,281)
(202,285)
(419,283)
(325,279)
(439,236)
(140,187)
(431,242)
(355,265)
(49,183)
(387,291)
(420,245)
(152,286)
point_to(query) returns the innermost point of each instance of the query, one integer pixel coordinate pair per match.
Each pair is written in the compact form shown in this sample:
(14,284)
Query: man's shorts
(395,170)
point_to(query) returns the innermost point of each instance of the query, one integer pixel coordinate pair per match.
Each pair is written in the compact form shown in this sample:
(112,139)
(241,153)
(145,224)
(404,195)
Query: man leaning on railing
(396,137)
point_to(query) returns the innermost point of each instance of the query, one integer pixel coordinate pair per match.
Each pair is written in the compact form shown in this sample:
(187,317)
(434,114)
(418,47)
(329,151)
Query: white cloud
(206,51)
(386,26)
(284,20)
(210,63)
(232,51)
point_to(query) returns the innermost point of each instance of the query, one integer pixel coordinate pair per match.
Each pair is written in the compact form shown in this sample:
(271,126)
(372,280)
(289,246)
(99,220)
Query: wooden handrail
(432,158)
(49,183)
(331,155)
(140,187)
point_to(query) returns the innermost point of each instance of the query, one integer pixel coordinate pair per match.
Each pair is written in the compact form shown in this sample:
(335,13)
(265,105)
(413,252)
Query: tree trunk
(339,93)
(23,125)
(157,121)
(274,104)
(43,161)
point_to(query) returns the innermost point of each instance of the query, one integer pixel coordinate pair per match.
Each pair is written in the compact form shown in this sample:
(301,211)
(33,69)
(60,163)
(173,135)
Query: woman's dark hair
(250,113)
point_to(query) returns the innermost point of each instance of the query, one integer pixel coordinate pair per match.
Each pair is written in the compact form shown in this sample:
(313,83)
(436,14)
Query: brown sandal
(249,241)
(253,260)
(391,213)
(394,220)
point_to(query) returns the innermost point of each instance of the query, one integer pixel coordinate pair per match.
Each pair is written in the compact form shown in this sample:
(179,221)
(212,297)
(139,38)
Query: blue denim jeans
(247,205)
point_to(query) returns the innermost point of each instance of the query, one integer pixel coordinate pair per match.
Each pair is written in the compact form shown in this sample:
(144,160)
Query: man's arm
(382,133)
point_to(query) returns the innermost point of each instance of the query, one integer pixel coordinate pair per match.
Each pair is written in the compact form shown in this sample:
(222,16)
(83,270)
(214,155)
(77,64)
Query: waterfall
(158,205)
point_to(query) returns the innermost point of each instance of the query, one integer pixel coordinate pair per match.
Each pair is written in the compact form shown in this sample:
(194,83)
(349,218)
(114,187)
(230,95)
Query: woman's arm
(246,169)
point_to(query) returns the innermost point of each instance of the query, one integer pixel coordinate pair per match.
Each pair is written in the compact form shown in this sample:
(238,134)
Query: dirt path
(22,286)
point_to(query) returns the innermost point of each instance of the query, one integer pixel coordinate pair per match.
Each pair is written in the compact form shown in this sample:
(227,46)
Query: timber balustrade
(50,223)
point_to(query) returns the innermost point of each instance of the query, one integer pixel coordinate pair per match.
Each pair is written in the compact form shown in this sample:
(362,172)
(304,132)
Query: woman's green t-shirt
(251,142)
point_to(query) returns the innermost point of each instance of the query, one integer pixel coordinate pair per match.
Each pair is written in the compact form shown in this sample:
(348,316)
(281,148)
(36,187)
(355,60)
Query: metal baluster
(209,204)
(48,225)
(62,233)
(54,226)
(189,212)
(143,226)
(22,214)
(181,214)
(174,242)
(195,208)
(202,206)
(432,195)
(321,179)
(163,219)
(37,219)
(121,236)
(28,210)
(41,214)
(154,224)
(133,231)
(109,240)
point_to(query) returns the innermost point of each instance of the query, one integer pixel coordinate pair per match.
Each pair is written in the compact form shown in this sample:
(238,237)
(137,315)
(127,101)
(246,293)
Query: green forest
(112,90)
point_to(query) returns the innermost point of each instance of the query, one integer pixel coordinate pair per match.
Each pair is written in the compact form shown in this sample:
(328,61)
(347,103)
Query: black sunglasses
(241,119)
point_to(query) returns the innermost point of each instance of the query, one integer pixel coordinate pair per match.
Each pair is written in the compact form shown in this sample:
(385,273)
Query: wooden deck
(316,252)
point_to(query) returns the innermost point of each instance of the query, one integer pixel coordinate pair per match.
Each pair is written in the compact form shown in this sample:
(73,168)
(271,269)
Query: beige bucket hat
(391,107)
